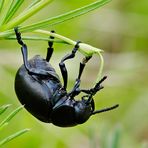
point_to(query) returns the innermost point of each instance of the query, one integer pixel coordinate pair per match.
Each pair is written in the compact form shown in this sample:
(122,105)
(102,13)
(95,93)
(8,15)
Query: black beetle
(39,89)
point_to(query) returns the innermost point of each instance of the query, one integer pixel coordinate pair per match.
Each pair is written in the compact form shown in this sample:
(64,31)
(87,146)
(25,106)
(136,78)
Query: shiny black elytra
(38,87)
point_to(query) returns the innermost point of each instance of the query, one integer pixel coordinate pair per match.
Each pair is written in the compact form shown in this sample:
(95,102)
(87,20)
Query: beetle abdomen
(36,93)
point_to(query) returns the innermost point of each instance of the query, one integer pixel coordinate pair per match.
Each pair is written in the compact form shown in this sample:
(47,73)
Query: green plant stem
(85,49)
(56,36)
(101,68)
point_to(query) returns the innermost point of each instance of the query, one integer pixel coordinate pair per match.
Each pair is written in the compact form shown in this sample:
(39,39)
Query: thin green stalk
(13,9)
(101,68)
(55,35)
(11,137)
(26,14)
(83,48)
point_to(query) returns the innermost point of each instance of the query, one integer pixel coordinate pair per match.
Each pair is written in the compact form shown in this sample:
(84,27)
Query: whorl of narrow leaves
(7,22)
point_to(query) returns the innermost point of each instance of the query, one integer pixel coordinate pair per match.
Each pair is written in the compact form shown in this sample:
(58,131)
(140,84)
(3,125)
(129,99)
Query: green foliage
(3,108)
(13,136)
(4,123)
(6,27)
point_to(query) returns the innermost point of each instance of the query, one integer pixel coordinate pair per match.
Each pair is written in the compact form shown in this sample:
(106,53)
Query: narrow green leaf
(1,4)
(115,138)
(6,6)
(64,17)
(26,14)
(16,6)
(33,3)
(4,108)
(11,115)
(3,126)
(11,137)
(13,9)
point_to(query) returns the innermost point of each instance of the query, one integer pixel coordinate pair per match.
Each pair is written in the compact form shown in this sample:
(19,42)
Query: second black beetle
(38,87)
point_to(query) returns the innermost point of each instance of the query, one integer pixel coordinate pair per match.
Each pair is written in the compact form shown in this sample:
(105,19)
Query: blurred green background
(120,28)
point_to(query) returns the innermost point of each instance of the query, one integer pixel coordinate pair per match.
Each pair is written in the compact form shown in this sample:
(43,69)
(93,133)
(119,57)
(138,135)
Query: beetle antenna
(105,109)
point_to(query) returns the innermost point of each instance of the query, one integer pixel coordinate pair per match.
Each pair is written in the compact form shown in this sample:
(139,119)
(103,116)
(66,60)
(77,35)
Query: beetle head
(69,112)
(83,110)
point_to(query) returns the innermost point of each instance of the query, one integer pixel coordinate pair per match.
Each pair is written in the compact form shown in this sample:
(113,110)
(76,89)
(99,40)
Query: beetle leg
(91,92)
(75,91)
(50,48)
(82,65)
(25,56)
(23,48)
(62,64)
(96,88)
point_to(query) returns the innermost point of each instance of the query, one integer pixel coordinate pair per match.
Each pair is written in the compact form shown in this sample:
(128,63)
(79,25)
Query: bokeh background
(120,28)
